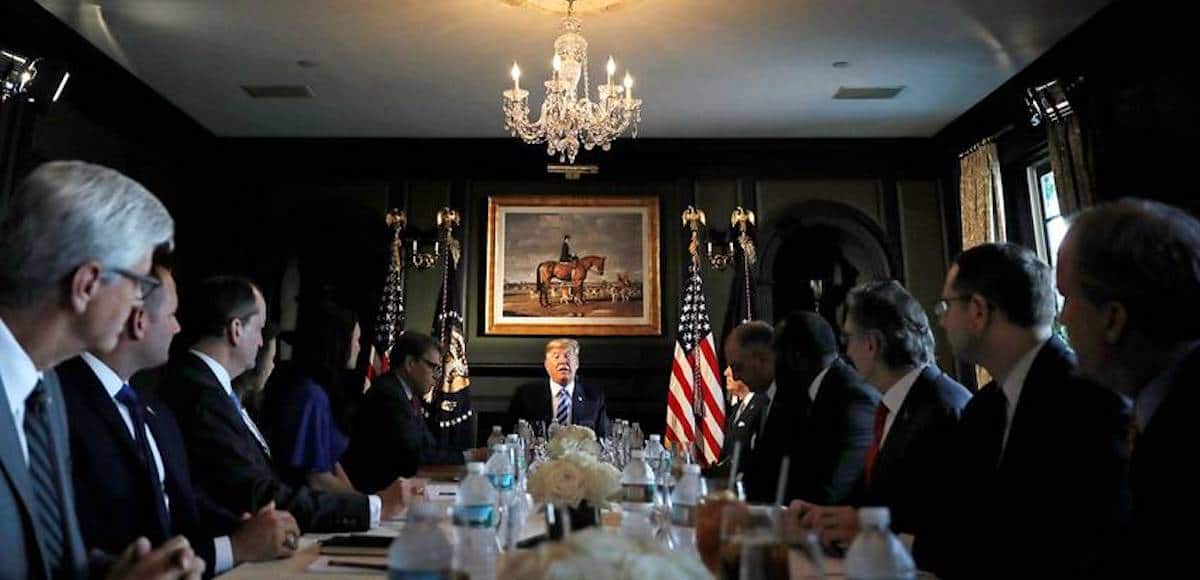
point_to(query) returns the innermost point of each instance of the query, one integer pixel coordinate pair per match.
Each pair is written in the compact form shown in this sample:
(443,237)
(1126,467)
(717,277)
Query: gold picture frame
(611,289)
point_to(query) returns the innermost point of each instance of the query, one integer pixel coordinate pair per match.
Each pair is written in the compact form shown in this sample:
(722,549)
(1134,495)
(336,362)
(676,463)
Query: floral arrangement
(602,554)
(573,438)
(572,478)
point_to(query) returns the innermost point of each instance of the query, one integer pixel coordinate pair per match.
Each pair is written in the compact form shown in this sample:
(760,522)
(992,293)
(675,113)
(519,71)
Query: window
(1049,222)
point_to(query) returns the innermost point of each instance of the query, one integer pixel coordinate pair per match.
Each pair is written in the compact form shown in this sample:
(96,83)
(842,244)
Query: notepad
(356,545)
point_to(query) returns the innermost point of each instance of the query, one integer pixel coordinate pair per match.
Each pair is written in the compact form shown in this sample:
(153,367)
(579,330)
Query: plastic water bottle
(684,499)
(638,491)
(654,453)
(636,438)
(500,471)
(876,553)
(516,446)
(497,436)
(421,551)
(475,519)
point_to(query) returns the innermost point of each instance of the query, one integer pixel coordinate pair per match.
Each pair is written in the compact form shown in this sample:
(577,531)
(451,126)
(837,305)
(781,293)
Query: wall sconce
(818,288)
(720,260)
(424,260)
(446,220)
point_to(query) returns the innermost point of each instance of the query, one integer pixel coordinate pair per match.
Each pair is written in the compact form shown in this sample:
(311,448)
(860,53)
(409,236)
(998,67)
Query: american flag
(389,322)
(695,394)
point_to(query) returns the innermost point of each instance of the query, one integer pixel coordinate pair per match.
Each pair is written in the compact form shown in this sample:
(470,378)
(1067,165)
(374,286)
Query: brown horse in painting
(572,272)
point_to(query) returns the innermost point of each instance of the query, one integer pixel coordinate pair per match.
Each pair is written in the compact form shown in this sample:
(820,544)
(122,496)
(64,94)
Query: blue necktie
(129,398)
(562,414)
(48,520)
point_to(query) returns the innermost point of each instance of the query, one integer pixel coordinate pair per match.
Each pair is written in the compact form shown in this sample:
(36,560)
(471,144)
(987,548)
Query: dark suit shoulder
(948,393)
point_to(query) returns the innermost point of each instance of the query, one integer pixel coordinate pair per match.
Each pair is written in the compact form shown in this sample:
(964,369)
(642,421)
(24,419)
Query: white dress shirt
(227,385)
(112,383)
(1012,386)
(19,376)
(894,398)
(554,389)
(742,406)
(816,384)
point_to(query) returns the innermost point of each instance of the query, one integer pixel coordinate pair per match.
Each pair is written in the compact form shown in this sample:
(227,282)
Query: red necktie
(881,413)
(416,405)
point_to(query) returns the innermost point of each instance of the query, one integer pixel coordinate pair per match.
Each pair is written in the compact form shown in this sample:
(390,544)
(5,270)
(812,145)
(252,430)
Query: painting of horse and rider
(581,265)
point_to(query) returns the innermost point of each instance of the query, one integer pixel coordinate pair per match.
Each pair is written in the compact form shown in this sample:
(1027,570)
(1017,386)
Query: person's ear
(83,285)
(137,323)
(233,331)
(1114,317)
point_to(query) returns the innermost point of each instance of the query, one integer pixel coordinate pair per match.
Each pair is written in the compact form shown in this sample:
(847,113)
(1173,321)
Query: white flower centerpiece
(573,477)
(600,554)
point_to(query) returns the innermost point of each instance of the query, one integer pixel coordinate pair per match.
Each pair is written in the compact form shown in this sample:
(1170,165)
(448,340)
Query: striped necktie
(562,413)
(48,520)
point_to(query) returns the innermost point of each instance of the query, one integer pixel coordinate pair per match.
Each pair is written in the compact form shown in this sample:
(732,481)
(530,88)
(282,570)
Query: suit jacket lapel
(98,399)
(13,460)
(899,436)
(580,405)
(203,374)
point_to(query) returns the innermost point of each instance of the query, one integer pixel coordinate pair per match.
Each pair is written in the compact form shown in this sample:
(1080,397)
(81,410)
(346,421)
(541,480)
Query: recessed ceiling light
(305,63)
(841,64)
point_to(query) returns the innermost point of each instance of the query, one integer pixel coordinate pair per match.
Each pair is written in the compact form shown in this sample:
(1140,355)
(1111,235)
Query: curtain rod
(989,139)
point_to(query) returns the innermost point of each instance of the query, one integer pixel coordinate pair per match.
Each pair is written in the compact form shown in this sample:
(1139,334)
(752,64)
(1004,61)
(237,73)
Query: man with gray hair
(888,338)
(75,251)
(1129,272)
(563,400)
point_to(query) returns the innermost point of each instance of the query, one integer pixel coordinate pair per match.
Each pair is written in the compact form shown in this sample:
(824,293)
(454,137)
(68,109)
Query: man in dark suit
(75,247)
(832,411)
(230,460)
(888,338)
(751,361)
(1130,272)
(1037,480)
(129,484)
(563,400)
(390,437)
(742,420)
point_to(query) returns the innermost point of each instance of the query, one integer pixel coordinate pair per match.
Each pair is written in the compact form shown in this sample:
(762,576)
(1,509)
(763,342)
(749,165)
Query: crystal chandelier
(569,118)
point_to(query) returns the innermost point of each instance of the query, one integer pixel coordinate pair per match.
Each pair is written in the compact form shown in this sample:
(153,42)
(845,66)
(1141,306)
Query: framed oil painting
(573,265)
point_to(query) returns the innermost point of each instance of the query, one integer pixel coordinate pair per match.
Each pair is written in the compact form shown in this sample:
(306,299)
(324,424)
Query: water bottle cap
(691,468)
(475,468)
(655,437)
(874,516)
(512,436)
(496,429)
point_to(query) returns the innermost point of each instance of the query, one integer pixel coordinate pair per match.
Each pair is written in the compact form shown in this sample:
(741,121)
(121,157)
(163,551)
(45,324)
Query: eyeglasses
(433,366)
(942,306)
(145,284)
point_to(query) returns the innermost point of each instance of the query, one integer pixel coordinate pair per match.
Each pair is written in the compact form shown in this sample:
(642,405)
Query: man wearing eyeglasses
(75,247)
(130,468)
(889,340)
(1036,480)
(390,437)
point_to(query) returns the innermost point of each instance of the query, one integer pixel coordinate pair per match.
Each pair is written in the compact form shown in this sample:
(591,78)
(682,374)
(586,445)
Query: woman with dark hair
(297,415)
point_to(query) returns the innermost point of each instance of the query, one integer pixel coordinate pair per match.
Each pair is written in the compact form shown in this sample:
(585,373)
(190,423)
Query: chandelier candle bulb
(612,69)
(516,77)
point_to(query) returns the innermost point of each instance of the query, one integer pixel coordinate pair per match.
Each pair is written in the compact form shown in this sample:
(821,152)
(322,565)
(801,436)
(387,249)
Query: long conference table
(307,562)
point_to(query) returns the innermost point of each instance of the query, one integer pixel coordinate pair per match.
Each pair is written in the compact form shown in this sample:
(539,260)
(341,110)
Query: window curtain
(982,201)
(1072,160)
(981,197)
